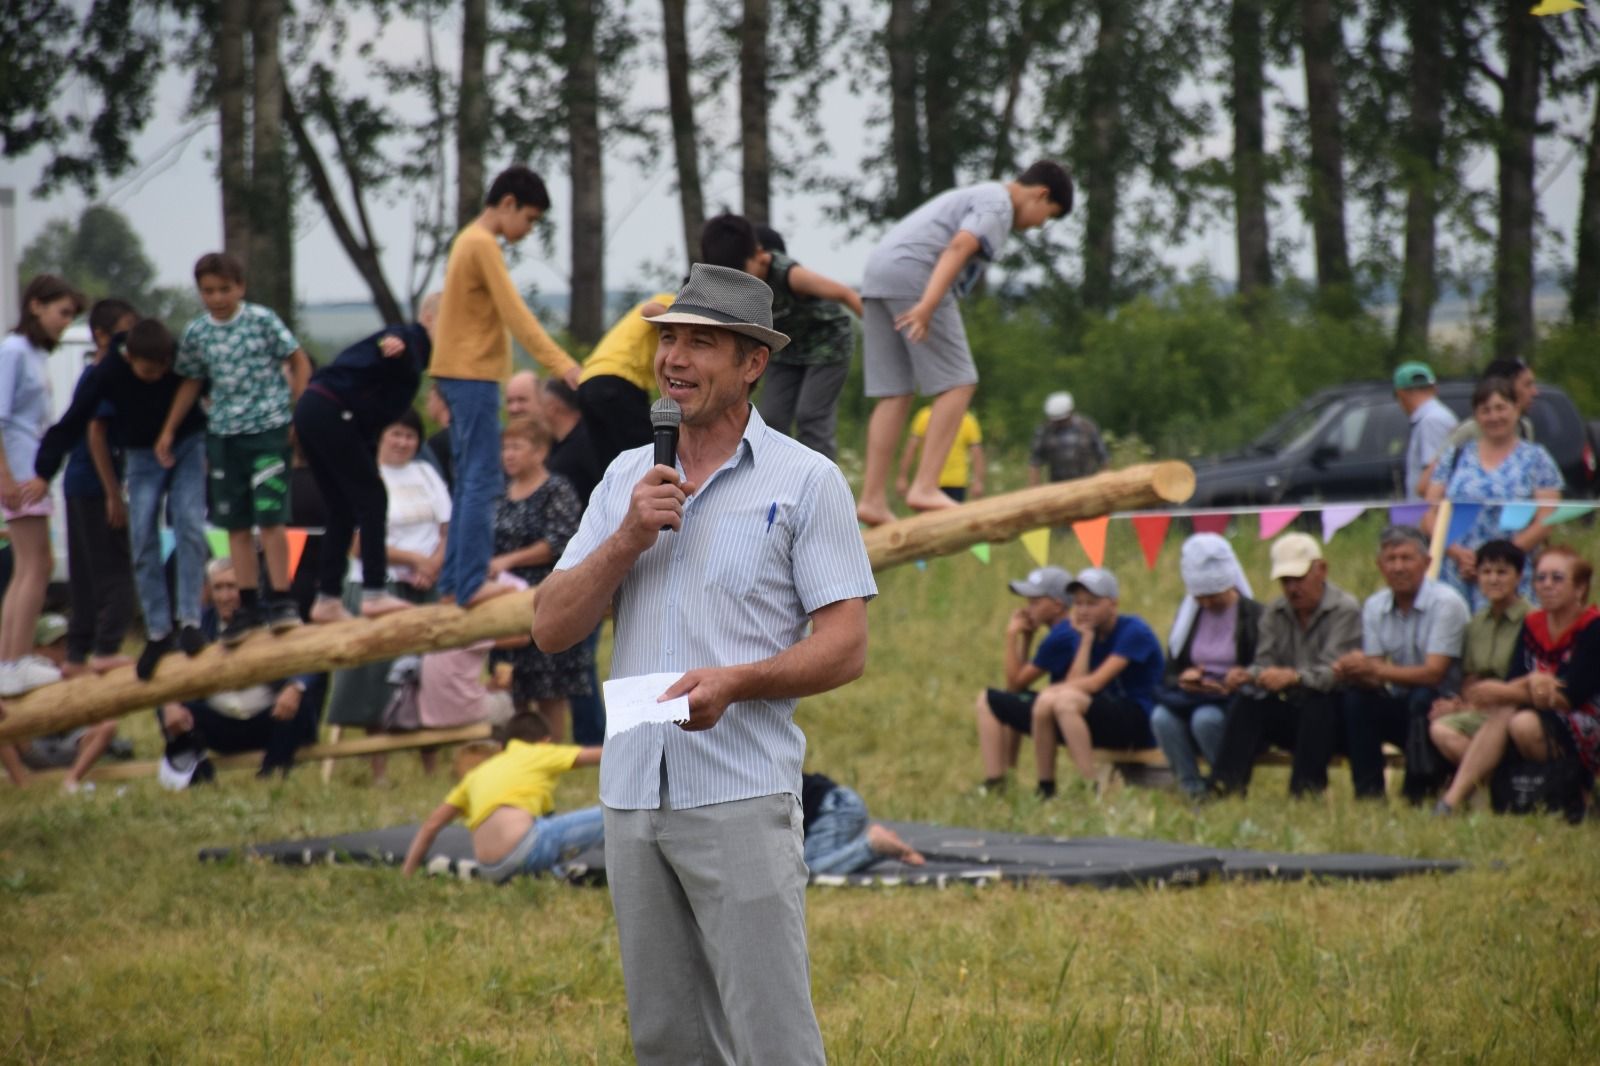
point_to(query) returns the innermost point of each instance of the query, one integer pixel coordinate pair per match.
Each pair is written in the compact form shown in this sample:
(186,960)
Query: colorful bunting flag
(169,543)
(981,550)
(1211,523)
(1151,531)
(921,564)
(1091,533)
(1407,514)
(1554,7)
(218,539)
(1463,516)
(1037,541)
(1516,516)
(1338,516)
(297,547)
(1274,520)
(1567,512)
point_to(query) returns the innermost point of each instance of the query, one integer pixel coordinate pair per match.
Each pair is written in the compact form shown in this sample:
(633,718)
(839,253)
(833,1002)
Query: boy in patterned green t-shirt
(257,371)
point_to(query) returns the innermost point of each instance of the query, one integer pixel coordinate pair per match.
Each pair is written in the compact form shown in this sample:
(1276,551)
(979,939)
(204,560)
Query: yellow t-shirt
(522,776)
(955,472)
(628,350)
(480,304)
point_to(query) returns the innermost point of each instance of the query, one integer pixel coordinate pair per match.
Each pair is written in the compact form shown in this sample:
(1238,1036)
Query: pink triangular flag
(1274,521)
(1337,517)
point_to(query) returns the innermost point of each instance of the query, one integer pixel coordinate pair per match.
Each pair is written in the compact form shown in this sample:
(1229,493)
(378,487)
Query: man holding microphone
(716,569)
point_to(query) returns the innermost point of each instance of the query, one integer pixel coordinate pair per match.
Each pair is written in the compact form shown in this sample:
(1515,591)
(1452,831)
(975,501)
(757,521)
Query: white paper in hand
(631,701)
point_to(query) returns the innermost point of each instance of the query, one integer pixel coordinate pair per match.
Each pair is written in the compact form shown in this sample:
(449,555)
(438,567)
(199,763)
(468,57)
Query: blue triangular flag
(169,543)
(1463,516)
(1516,516)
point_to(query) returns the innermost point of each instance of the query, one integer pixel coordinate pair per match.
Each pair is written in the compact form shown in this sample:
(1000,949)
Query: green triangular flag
(218,539)
(982,552)
(1567,512)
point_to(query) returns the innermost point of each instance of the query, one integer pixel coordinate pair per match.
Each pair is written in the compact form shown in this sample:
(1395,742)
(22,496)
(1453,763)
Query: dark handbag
(1182,703)
(1425,767)
(1520,786)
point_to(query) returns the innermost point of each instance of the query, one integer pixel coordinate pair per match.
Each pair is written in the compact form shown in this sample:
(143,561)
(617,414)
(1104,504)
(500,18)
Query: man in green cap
(1431,421)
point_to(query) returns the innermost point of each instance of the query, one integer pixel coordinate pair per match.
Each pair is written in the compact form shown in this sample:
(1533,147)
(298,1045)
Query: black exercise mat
(955,856)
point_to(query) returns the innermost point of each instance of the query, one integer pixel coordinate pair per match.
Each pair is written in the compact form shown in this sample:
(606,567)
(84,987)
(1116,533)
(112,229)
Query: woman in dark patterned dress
(533,521)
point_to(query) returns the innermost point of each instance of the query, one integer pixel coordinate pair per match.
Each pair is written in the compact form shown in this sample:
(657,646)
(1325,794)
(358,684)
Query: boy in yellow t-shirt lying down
(506,798)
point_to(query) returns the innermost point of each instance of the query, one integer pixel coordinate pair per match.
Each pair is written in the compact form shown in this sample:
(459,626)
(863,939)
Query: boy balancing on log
(915,340)
(506,800)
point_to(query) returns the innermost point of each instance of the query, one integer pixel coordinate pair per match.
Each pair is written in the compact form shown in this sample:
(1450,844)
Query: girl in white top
(49,305)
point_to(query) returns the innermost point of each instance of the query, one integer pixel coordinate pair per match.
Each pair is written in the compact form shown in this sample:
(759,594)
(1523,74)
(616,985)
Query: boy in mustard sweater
(472,357)
(506,801)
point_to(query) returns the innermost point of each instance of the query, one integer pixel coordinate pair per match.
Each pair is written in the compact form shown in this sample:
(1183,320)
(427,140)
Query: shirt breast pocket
(741,553)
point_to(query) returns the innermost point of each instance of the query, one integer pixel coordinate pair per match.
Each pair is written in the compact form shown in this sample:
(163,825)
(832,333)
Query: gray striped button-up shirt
(769,538)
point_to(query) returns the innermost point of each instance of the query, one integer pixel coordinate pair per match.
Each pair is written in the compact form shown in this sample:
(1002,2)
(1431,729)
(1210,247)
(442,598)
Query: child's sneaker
(245,620)
(282,615)
(145,668)
(191,641)
(26,674)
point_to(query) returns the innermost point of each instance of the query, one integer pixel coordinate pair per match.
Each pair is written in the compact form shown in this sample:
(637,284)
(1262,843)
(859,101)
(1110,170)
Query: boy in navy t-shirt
(1005,715)
(1109,690)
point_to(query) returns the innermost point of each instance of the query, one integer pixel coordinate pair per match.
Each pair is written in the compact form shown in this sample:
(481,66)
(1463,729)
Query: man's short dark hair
(105,314)
(1395,536)
(728,241)
(151,341)
(771,239)
(1502,551)
(564,393)
(528,726)
(520,183)
(222,265)
(1504,368)
(1052,176)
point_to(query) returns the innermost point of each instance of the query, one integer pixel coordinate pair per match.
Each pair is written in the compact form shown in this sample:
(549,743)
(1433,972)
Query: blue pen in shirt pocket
(772,513)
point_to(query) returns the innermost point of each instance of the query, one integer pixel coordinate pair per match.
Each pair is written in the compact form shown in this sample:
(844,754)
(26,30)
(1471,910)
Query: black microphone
(665,416)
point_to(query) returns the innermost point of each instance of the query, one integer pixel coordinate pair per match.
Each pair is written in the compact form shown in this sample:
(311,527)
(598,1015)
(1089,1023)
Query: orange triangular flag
(1091,533)
(1151,531)
(297,547)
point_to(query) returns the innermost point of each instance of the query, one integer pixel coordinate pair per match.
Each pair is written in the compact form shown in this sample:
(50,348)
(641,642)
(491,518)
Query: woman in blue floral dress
(1498,466)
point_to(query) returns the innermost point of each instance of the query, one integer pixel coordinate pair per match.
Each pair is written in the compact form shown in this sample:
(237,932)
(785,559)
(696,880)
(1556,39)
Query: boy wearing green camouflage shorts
(257,371)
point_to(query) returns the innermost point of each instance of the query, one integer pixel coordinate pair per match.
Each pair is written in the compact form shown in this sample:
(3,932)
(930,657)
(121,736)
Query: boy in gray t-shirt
(915,340)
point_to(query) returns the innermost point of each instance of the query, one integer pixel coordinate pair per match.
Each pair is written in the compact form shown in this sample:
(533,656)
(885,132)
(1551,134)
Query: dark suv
(1349,443)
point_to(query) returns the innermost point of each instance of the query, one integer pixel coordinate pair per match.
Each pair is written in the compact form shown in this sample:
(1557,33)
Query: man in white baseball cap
(1110,688)
(1290,696)
(1066,443)
(1005,715)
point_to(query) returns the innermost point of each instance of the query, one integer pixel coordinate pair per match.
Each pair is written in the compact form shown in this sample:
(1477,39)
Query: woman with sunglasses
(1549,704)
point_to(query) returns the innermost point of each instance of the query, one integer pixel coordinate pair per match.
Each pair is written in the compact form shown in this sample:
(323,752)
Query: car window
(1369,432)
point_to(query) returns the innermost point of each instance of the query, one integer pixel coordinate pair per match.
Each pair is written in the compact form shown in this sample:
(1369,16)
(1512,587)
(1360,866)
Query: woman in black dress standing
(533,521)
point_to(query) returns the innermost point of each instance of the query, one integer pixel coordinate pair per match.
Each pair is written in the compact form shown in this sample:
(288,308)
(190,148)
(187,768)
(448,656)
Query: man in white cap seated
(1216,629)
(1005,715)
(1110,688)
(1290,696)
(1066,443)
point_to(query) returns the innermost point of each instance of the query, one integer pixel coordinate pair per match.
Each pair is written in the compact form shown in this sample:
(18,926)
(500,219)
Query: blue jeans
(475,447)
(836,843)
(184,487)
(1177,739)
(553,838)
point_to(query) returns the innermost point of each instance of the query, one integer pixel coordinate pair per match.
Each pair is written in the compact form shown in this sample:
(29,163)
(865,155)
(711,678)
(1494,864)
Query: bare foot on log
(873,515)
(327,610)
(929,501)
(379,606)
(489,590)
(102,664)
(886,842)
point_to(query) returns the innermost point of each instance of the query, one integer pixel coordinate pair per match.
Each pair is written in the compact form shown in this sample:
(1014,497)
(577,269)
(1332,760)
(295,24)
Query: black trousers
(617,415)
(277,740)
(1302,721)
(99,580)
(1376,716)
(344,462)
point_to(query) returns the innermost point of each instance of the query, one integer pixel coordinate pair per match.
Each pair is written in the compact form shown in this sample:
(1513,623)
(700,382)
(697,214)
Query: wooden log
(313,649)
(348,749)
(1008,515)
(263,658)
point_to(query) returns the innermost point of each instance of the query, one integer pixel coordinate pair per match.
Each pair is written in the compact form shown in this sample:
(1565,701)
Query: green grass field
(118,946)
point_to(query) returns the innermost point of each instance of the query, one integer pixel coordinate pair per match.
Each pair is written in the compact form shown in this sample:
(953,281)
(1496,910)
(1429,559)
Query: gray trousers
(710,905)
(808,397)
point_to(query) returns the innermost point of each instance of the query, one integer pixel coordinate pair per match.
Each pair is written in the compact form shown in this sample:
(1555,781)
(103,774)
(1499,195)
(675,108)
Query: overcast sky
(173,202)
